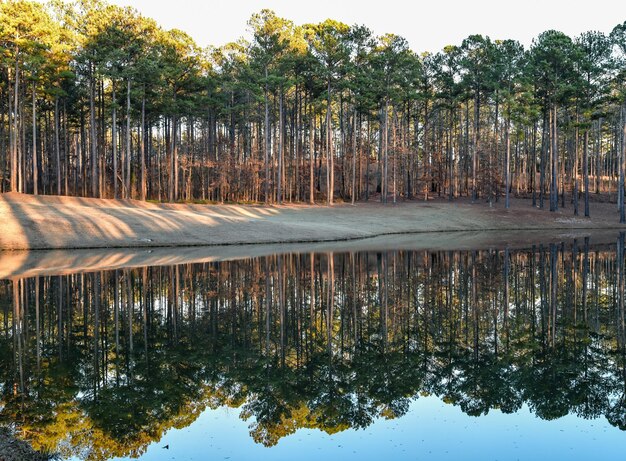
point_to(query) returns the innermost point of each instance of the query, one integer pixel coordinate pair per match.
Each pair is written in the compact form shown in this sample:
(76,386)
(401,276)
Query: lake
(511,352)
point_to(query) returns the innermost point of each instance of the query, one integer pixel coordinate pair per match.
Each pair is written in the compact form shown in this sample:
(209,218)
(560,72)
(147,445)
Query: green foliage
(73,54)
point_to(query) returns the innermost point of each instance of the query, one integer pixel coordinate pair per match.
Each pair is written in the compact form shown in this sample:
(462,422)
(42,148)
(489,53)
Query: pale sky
(428,26)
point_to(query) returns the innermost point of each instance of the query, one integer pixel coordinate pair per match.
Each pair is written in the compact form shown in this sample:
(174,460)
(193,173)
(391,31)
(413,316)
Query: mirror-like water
(322,354)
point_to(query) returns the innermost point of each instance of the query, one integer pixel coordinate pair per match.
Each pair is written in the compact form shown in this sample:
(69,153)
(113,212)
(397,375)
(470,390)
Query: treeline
(98,101)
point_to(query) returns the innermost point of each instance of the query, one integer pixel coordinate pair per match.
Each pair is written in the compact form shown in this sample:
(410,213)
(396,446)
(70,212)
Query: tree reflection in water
(97,365)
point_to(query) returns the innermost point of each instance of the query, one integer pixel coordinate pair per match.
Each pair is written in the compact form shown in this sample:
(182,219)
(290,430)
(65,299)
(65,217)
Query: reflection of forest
(98,365)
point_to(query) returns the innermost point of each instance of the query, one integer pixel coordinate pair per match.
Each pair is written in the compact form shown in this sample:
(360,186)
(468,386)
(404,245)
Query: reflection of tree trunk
(17,332)
(475,304)
(331,299)
(542,293)
(129,308)
(268,306)
(116,312)
(312,304)
(382,294)
(355,297)
(596,288)
(620,289)
(533,289)
(60,317)
(622,167)
(449,297)
(385,295)
(281,308)
(37,326)
(506,295)
(585,277)
(96,337)
(176,293)
(144,310)
(553,293)
(493,298)
(574,277)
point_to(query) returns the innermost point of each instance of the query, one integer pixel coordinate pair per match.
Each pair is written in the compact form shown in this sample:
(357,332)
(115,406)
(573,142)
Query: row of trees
(99,365)
(96,100)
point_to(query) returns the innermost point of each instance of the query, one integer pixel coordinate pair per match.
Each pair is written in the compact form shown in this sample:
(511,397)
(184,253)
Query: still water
(498,354)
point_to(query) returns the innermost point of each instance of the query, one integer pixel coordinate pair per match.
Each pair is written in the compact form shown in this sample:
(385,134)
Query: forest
(99,365)
(98,101)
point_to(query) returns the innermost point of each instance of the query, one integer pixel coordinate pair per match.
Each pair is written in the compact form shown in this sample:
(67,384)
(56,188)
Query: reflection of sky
(431,430)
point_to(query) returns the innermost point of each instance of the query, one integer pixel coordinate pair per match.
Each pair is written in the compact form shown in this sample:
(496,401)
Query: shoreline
(52,222)
(33,263)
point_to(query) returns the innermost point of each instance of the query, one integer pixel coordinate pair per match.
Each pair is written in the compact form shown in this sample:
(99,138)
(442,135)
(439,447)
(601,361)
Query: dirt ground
(42,222)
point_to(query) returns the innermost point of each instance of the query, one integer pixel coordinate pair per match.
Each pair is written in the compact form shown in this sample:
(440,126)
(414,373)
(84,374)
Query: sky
(428,26)
(431,430)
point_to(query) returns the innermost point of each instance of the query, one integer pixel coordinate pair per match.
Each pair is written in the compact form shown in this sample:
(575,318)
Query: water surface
(473,354)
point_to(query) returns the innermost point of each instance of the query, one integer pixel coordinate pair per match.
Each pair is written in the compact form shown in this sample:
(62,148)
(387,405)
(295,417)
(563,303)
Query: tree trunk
(128,153)
(622,212)
(35,163)
(267,141)
(544,159)
(57,147)
(554,199)
(586,170)
(281,128)
(173,192)
(354,155)
(598,151)
(575,172)
(507,163)
(450,150)
(330,161)
(312,159)
(533,166)
(14,160)
(476,144)
(143,147)
(385,140)
(94,141)
(114,142)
